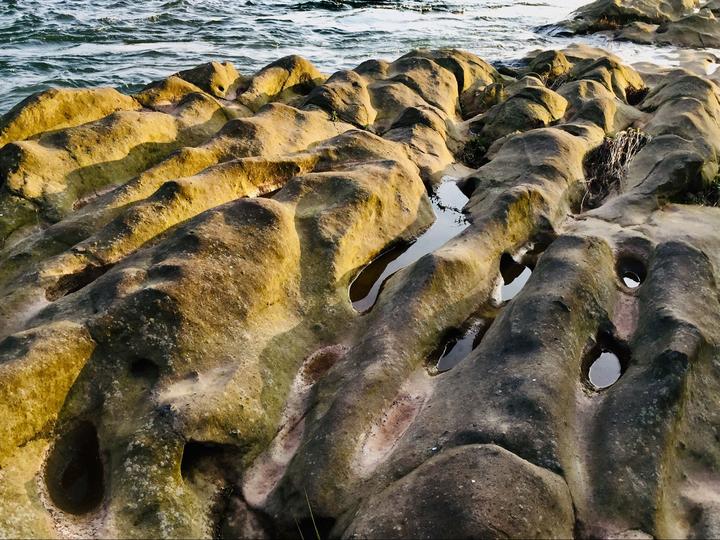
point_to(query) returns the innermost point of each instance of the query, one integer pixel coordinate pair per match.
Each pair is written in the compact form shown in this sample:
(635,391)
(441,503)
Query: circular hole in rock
(605,370)
(631,272)
(142,368)
(74,473)
(210,459)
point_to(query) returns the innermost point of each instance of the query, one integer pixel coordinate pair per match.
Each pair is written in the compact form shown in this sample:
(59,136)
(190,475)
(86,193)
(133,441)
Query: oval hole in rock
(605,362)
(142,368)
(74,474)
(207,458)
(605,370)
(631,271)
(515,277)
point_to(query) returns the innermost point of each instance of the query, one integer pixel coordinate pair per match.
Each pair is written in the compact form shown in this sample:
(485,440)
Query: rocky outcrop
(613,14)
(528,107)
(180,355)
(698,30)
(682,23)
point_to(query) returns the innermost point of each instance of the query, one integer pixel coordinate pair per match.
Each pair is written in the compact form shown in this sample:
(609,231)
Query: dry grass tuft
(606,166)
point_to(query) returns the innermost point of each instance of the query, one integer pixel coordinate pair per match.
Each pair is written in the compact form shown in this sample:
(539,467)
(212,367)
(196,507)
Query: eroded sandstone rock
(613,14)
(682,23)
(180,356)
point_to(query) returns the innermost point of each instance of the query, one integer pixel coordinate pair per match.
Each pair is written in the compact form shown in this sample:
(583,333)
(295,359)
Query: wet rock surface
(682,23)
(180,355)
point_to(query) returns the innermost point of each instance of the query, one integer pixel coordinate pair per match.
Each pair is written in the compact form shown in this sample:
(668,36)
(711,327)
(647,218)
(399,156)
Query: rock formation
(180,355)
(683,23)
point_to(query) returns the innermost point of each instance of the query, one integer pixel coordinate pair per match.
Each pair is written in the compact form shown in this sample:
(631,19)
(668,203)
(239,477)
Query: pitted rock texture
(180,356)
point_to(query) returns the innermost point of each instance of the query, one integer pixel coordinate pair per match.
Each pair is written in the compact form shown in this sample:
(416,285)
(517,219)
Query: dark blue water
(125,44)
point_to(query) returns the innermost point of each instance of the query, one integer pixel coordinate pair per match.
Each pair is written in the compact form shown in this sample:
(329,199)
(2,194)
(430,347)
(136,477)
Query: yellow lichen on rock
(30,400)
(60,108)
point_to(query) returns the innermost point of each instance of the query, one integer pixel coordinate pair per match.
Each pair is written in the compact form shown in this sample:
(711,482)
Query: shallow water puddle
(456,350)
(515,277)
(512,289)
(447,203)
(605,370)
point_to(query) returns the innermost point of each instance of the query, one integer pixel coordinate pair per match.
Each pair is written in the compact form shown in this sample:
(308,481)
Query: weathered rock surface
(612,14)
(683,23)
(179,352)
